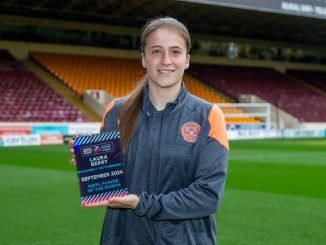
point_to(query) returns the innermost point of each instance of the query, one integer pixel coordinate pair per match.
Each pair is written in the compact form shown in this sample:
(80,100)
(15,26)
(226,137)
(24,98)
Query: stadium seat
(28,99)
(270,85)
(118,76)
(317,79)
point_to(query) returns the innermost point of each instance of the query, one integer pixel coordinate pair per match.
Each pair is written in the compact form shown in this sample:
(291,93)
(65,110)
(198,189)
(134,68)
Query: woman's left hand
(127,201)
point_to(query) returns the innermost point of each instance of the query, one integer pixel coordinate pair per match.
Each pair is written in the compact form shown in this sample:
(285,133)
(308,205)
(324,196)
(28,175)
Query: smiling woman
(165,57)
(175,150)
(157,44)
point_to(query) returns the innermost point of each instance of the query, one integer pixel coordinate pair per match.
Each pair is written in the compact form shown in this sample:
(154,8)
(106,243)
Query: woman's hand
(71,150)
(127,201)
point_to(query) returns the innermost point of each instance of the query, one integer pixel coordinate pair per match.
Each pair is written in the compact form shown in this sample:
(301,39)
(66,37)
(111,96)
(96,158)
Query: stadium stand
(208,93)
(199,89)
(118,76)
(79,72)
(317,79)
(26,98)
(278,89)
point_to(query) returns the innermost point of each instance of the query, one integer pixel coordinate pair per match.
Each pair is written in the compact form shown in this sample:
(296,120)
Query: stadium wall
(24,134)
(21,50)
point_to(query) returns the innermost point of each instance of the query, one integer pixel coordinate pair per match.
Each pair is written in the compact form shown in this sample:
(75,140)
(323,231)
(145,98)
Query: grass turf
(275,194)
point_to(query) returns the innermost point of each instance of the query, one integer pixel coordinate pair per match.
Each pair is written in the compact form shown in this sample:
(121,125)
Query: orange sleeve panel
(218,127)
(108,108)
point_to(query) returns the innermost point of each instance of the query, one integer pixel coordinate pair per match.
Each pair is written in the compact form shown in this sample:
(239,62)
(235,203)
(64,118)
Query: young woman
(175,150)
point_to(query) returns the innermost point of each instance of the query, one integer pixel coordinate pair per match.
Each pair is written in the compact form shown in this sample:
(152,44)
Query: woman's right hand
(71,150)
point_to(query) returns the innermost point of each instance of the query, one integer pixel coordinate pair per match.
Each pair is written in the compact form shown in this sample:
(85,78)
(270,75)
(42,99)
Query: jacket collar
(149,109)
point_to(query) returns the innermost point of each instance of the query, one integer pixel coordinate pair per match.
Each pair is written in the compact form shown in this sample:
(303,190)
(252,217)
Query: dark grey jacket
(176,164)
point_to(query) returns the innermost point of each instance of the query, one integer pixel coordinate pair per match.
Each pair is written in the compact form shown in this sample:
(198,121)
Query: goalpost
(247,115)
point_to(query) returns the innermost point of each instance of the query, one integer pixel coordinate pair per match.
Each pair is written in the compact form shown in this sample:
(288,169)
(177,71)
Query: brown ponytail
(131,108)
(129,114)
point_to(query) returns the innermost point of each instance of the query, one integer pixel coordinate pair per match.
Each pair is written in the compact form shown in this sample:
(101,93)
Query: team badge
(190,131)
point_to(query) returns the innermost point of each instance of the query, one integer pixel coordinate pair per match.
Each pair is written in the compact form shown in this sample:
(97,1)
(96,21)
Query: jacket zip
(160,165)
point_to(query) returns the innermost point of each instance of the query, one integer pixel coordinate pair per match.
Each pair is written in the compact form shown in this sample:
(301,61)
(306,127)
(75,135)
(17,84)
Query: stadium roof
(200,18)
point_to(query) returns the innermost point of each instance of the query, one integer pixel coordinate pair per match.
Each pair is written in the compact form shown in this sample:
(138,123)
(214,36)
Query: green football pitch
(275,194)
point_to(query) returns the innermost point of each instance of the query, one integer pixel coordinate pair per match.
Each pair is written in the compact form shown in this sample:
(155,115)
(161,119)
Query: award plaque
(100,168)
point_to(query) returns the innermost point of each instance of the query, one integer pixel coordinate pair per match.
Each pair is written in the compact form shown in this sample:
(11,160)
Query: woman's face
(165,57)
